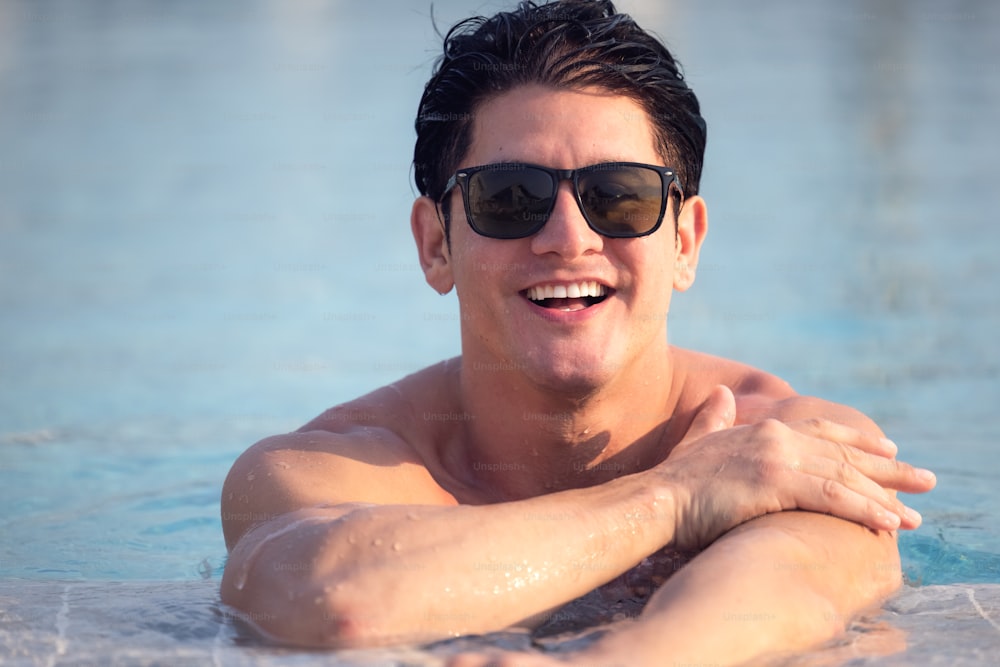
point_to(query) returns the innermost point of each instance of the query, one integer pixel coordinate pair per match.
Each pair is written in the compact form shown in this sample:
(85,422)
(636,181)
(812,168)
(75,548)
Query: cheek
(465,256)
(651,264)
(654,283)
(488,262)
(485,275)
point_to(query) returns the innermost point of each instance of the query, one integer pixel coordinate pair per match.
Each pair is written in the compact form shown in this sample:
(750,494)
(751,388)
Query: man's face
(571,345)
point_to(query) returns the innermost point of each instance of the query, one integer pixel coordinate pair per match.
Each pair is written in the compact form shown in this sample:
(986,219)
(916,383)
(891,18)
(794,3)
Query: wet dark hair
(565,44)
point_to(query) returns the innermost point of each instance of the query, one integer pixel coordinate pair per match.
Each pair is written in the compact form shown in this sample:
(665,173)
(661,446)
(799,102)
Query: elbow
(348,621)
(326,621)
(293,589)
(306,615)
(304,609)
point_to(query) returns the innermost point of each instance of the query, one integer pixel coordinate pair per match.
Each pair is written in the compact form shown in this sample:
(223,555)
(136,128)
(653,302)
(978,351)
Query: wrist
(655,503)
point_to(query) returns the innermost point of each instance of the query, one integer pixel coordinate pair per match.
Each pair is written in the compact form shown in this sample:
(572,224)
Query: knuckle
(848,454)
(815,424)
(833,491)
(771,436)
(898,468)
(771,428)
(846,472)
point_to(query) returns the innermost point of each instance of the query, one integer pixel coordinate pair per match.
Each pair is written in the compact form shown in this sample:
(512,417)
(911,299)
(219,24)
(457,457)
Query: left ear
(692,225)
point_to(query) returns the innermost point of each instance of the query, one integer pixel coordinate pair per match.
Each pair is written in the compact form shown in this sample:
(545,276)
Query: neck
(526,440)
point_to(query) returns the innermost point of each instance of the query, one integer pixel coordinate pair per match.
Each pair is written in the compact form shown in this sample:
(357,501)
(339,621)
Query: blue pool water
(204,240)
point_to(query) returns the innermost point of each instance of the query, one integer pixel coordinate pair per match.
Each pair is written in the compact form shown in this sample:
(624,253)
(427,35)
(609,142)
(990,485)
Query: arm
(762,588)
(311,566)
(316,574)
(784,581)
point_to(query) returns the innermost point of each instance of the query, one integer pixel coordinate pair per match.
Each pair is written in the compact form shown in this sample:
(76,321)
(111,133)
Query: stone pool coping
(181,622)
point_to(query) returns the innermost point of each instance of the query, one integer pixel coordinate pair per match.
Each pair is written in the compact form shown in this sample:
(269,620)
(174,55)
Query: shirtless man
(570,441)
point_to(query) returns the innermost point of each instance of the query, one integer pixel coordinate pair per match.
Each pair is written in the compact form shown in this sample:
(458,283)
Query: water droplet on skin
(251,477)
(318,600)
(397,546)
(282,465)
(377,542)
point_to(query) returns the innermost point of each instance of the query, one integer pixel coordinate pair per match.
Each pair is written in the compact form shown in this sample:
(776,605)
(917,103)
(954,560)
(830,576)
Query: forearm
(783,582)
(314,577)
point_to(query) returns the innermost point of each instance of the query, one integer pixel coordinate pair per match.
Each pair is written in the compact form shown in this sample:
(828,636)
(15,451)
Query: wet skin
(568,443)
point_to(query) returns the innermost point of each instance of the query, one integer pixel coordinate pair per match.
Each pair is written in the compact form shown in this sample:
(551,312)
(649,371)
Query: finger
(856,480)
(888,472)
(829,430)
(894,474)
(718,412)
(871,454)
(829,496)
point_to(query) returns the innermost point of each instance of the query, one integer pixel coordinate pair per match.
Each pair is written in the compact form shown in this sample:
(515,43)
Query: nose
(566,232)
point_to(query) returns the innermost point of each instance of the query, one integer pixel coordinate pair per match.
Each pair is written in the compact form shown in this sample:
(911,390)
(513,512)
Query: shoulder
(701,372)
(761,395)
(370,450)
(401,407)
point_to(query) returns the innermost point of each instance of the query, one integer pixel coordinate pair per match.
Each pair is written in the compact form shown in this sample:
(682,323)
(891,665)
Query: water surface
(204,224)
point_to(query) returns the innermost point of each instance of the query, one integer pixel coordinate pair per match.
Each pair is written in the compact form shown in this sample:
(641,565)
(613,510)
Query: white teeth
(572,291)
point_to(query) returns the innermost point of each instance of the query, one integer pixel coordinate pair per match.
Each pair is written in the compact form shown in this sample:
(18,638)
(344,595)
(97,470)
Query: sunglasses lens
(622,200)
(510,201)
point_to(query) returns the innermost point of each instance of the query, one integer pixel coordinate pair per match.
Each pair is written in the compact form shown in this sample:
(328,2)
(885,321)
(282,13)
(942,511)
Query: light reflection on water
(204,216)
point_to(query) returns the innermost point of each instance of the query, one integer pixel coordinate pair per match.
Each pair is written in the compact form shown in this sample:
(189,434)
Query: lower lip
(565,316)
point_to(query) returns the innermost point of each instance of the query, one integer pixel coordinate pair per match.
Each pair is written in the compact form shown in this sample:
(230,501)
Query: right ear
(432,246)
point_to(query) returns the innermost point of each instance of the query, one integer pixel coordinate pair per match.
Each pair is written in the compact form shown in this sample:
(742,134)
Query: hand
(721,475)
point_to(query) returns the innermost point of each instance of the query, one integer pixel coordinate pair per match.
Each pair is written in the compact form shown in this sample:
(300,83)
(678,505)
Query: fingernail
(913,515)
(925,475)
(890,445)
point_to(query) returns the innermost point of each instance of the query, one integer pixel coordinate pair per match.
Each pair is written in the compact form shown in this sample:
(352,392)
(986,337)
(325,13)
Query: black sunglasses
(511,200)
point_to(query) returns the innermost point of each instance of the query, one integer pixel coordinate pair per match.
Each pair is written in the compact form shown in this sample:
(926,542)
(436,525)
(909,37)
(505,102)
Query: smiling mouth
(571,297)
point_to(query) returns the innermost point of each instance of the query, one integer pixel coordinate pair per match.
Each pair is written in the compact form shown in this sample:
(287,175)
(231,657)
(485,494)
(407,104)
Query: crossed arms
(324,528)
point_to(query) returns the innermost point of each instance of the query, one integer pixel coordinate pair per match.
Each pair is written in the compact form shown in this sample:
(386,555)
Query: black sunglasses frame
(668,178)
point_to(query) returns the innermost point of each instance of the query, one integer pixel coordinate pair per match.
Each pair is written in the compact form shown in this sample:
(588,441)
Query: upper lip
(579,287)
